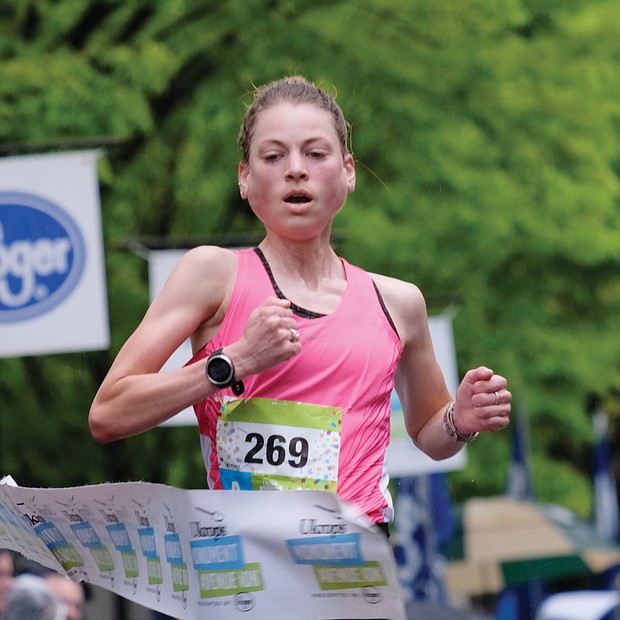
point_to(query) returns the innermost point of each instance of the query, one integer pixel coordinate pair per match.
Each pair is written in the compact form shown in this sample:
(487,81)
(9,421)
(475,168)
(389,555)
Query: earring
(242,191)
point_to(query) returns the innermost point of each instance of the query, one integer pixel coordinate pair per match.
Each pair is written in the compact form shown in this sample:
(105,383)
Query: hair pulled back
(295,89)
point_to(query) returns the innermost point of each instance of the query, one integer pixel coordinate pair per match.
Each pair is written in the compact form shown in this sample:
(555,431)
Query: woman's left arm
(435,425)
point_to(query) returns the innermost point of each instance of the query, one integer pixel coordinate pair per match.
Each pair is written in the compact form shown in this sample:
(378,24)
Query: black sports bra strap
(309,314)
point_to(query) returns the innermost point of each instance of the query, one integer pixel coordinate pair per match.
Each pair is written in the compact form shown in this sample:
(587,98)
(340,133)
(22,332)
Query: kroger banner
(52,275)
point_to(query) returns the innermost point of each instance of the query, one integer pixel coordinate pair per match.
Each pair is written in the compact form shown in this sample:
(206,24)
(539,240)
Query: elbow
(430,449)
(100,428)
(433,452)
(437,455)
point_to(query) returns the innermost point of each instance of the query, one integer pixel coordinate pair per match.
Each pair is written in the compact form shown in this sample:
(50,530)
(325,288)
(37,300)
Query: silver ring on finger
(294,335)
(496,398)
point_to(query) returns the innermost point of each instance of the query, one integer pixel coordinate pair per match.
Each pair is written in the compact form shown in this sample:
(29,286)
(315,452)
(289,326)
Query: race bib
(265,444)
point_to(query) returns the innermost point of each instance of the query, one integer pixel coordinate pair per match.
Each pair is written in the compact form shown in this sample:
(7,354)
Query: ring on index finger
(294,335)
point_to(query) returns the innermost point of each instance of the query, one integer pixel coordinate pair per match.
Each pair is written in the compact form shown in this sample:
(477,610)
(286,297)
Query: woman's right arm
(135,396)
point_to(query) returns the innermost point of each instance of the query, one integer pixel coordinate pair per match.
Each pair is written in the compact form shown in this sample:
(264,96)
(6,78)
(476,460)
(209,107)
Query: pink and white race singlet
(320,420)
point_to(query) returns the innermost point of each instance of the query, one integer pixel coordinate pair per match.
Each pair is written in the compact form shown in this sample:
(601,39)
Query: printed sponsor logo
(372,595)
(370,576)
(244,601)
(313,526)
(42,256)
(339,550)
(219,561)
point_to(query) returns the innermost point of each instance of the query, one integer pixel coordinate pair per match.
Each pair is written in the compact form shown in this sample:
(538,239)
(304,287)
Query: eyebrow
(275,142)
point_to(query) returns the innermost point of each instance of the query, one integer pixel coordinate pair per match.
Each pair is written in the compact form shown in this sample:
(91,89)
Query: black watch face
(219,370)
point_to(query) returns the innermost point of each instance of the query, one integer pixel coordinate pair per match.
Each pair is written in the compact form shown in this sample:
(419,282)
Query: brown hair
(294,89)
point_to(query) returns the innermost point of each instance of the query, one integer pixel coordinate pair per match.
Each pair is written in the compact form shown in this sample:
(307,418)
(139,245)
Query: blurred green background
(487,140)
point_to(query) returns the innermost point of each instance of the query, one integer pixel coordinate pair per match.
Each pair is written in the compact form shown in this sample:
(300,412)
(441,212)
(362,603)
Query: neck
(311,262)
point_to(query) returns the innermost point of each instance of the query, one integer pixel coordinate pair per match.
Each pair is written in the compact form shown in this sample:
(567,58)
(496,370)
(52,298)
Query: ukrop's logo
(42,256)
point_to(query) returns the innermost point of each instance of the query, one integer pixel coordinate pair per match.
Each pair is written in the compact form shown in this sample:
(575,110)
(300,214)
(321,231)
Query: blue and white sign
(42,256)
(52,278)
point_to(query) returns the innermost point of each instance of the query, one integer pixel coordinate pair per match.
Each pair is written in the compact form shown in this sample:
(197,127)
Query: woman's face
(297,178)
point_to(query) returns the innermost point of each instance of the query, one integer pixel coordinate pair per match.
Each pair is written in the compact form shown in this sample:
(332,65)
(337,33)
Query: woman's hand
(270,337)
(482,402)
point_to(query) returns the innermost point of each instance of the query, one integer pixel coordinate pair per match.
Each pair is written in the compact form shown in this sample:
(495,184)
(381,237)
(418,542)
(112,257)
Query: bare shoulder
(205,281)
(208,260)
(400,296)
(200,281)
(190,302)
(405,304)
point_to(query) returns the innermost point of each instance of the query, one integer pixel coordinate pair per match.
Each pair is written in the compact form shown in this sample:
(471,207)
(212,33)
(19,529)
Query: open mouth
(297,199)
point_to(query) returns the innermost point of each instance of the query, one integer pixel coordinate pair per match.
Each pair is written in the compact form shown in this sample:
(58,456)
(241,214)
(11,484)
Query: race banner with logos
(209,554)
(52,277)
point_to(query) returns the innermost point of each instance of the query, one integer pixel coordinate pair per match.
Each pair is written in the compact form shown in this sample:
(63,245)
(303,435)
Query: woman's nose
(296,167)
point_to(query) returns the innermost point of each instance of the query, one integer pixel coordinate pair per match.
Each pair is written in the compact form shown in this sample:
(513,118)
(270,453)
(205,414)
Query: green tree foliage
(485,134)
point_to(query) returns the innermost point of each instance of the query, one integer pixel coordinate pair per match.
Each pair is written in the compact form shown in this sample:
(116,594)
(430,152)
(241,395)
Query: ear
(349,167)
(242,175)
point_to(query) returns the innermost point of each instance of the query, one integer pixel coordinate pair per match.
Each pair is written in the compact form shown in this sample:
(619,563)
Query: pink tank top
(348,361)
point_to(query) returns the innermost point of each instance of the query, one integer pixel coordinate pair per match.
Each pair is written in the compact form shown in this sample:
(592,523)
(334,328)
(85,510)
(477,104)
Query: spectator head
(69,592)
(31,599)
(7,569)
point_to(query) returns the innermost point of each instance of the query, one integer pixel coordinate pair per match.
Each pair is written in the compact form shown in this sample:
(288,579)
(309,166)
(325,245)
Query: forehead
(286,121)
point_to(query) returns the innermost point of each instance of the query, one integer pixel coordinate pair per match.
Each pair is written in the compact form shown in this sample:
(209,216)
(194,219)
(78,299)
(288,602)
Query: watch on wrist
(220,371)
(450,428)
